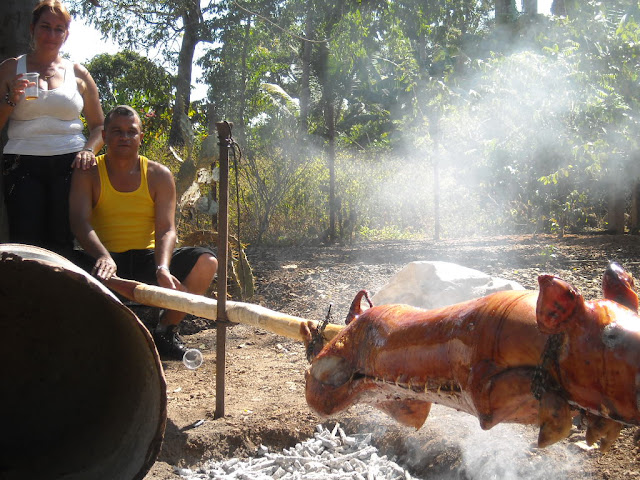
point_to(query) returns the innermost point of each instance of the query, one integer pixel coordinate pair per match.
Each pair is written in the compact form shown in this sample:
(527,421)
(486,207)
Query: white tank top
(50,124)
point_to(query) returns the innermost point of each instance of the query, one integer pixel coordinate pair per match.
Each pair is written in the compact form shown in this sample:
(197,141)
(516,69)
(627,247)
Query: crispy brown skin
(617,285)
(469,356)
(480,357)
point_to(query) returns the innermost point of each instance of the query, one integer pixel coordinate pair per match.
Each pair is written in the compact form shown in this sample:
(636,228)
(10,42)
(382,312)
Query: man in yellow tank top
(122,212)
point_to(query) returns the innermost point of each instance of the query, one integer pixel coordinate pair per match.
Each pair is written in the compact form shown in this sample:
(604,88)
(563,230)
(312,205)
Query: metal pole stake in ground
(225,142)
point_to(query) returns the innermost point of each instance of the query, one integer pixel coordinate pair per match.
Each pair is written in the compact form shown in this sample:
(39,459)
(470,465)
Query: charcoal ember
(329,455)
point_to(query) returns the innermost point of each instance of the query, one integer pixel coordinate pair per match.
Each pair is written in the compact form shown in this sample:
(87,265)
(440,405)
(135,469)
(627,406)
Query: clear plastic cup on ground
(192,358)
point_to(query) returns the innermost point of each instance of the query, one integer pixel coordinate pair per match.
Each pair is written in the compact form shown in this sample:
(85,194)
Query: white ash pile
(331,454)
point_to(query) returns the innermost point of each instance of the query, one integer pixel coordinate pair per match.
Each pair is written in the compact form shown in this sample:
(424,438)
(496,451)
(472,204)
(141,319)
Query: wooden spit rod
(204,307)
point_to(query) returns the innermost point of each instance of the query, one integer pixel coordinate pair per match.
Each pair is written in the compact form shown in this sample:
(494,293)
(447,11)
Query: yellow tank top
(124,220)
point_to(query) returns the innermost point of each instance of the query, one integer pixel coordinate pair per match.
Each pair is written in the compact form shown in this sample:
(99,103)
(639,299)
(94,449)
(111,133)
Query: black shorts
(140,265)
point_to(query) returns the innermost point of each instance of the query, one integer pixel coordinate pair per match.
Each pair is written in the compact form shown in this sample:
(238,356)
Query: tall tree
(506,11)
(328,74)
(530,7)
(132,79)
(14,34)
(305,60)
(172,27)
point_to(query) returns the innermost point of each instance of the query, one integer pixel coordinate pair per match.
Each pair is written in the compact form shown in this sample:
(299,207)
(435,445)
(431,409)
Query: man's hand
(104,268)
(166,280)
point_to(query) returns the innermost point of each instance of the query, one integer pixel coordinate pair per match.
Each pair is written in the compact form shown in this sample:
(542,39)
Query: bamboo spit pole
(204,307)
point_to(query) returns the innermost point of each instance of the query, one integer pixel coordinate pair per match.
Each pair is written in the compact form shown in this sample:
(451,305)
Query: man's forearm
(165,243)
(91,244)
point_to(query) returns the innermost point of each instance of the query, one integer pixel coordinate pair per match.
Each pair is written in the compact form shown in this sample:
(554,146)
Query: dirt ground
(264,401)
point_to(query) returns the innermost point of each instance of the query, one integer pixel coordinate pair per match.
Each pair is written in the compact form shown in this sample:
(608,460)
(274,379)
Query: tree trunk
(615,212)
(14,34)
(530,7)
(242,104)
(435,136)
(330,122)
(14,40)
(557,8)
(564,7)
(328,105)
(305,89)
(505,11)
(191,18)
(634,227)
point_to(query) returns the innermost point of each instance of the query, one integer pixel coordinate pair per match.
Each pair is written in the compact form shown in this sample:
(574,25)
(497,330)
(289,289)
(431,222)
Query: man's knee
(206,265)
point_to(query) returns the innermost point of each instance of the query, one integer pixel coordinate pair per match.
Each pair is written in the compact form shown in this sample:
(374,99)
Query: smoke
(516,128)
(508,451)
(451,446)
(515,140)
(493,132)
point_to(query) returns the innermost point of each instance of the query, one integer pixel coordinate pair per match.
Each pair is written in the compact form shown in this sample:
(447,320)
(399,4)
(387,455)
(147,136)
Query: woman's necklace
(44,76)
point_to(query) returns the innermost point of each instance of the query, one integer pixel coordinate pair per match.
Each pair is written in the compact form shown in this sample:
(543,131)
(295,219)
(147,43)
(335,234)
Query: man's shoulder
(91,172)
(86,182)
(157,169)
(159,178)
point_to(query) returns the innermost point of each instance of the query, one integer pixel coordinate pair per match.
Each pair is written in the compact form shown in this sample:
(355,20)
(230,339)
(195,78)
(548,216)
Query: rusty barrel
(83,393)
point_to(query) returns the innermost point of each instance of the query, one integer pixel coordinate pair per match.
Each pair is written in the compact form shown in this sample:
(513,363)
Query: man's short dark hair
(121,110)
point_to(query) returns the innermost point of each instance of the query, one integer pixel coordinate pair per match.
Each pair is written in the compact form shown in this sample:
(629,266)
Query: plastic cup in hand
(192,358)
(31,92)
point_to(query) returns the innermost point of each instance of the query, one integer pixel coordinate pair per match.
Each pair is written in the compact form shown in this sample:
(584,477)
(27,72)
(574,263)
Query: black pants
(36,194)
(140,265)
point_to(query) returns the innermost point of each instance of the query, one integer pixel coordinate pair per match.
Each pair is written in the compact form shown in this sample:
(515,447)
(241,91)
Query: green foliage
(128,78)
(138,25)
(439,114)
(547,131)
(391,232)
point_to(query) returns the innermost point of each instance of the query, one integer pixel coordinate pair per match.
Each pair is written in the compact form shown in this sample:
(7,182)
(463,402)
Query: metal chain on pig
(317,339)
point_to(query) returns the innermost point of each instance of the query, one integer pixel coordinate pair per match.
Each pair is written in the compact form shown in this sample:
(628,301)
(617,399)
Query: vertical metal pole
(224,138)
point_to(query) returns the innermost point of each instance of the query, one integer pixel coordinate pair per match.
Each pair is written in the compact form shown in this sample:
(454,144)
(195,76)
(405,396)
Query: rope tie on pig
(544,380)
(317,337)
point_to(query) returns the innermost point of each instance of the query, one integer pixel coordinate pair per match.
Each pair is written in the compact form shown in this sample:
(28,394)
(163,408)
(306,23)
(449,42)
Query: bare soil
(264,382)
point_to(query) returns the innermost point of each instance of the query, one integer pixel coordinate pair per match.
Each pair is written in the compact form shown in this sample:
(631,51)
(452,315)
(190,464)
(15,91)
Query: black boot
(169,343)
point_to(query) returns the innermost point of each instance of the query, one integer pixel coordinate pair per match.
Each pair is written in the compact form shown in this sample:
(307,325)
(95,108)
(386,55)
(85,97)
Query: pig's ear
(557,303)
(356,306)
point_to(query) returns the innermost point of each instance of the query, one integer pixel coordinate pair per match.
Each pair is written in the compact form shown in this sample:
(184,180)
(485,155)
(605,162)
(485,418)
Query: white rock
(433,284)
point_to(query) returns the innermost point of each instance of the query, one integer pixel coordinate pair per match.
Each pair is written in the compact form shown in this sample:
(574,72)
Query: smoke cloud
(451,446)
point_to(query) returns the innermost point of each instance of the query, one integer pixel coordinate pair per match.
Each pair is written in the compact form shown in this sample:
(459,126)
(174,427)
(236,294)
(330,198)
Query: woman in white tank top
(45,140)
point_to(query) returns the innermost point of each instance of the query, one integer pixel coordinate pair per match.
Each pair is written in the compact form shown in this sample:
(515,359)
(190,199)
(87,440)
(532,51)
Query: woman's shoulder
(7,74)
(83,79)
(8,66)
(80,70)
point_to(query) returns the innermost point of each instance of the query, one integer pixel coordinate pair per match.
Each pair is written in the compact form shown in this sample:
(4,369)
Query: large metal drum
(83,394)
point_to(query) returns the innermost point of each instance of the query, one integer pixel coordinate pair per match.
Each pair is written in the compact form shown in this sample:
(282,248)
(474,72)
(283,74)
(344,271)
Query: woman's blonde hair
(54,6)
